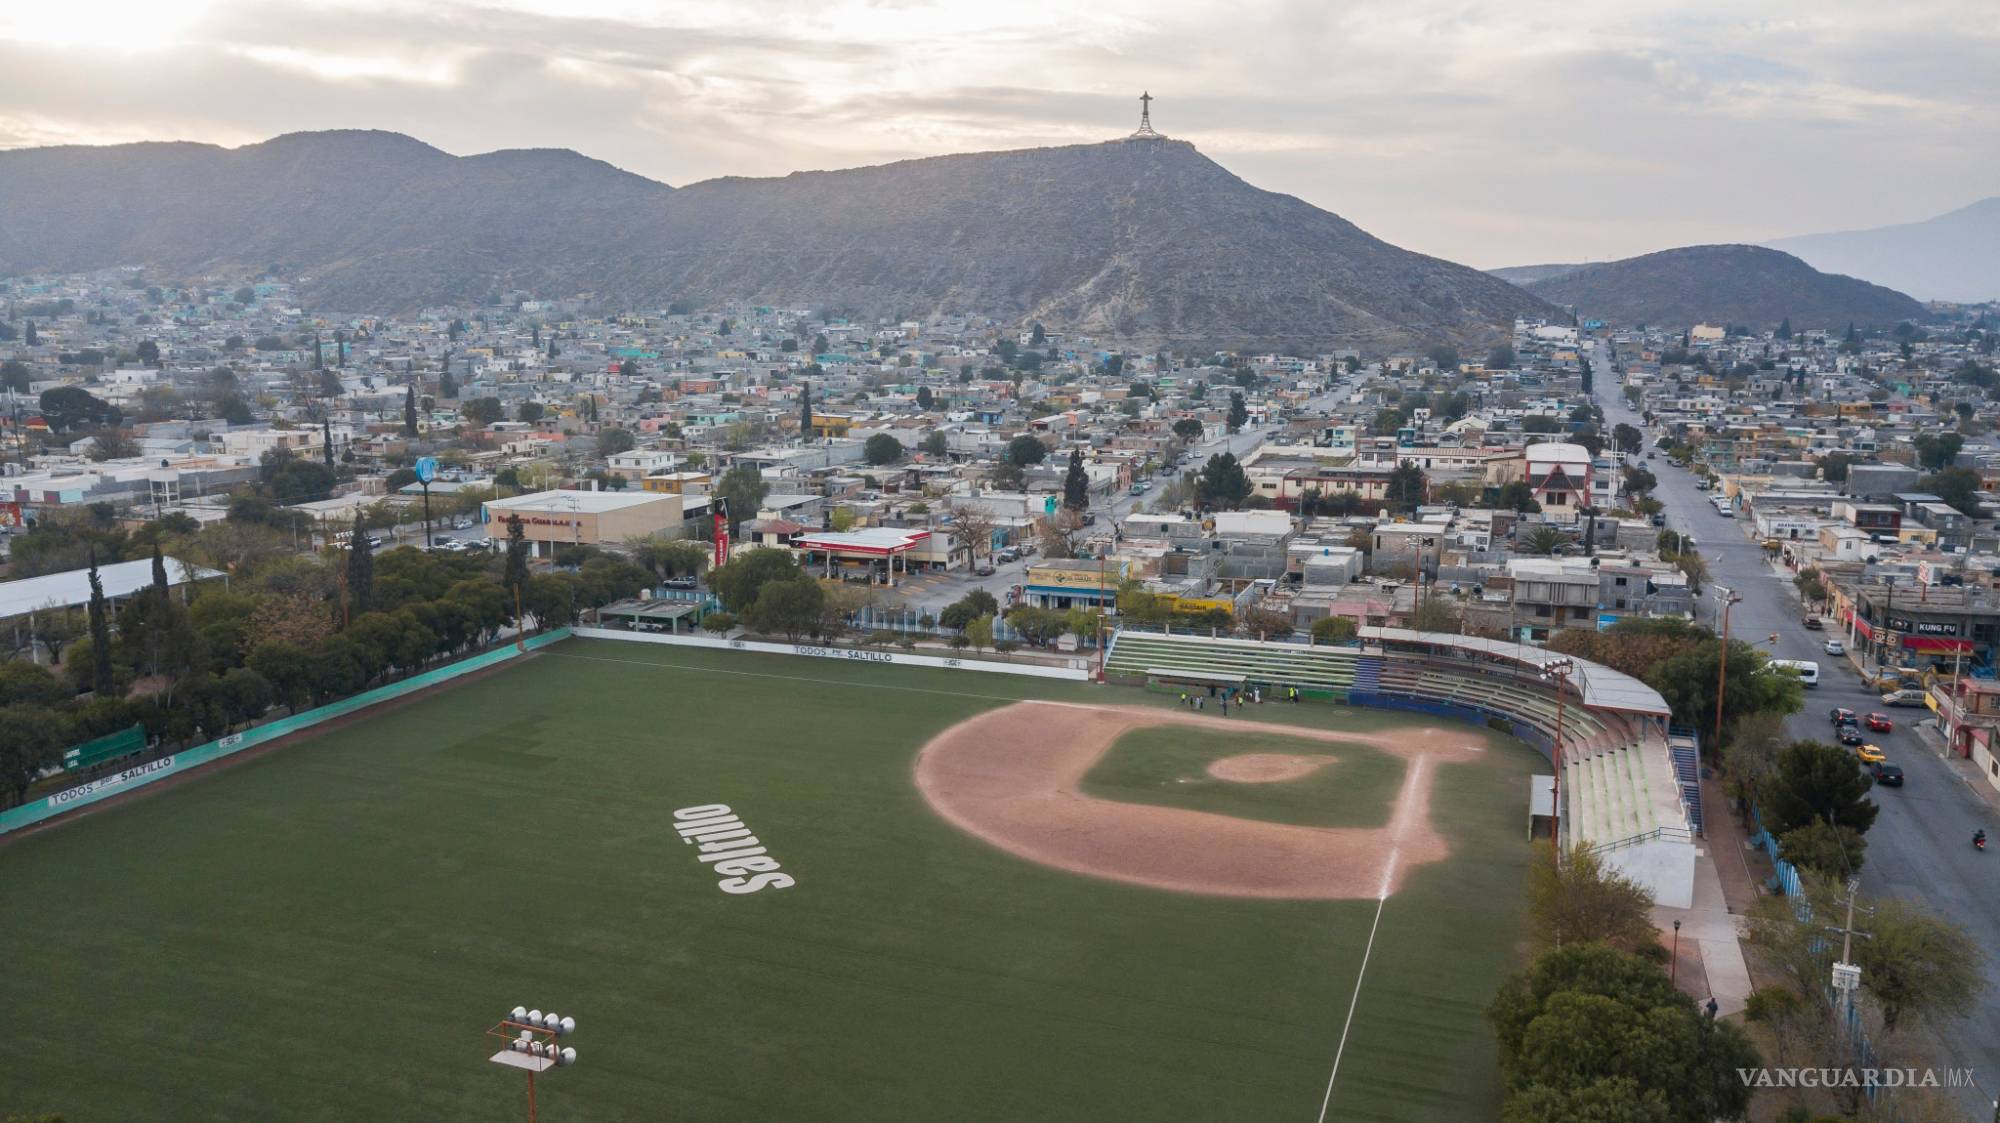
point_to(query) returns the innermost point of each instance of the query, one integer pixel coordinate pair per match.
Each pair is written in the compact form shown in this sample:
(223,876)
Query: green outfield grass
(325,932)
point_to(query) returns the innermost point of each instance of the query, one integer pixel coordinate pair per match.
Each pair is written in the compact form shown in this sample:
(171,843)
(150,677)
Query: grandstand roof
(1599,685)
(72,587)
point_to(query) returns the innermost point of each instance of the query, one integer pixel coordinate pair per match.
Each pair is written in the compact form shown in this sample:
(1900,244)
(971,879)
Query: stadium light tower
(530,1045)
(1557,671)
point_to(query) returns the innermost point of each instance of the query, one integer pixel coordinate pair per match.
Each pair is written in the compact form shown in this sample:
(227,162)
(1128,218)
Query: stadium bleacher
(1620,784)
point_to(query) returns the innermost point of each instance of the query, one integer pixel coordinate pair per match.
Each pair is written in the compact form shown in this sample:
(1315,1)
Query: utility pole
(1729,599)
(1557,671)
(1846,973)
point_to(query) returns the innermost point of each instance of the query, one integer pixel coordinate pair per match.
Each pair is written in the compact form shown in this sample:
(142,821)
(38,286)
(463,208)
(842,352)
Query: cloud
(1485,132)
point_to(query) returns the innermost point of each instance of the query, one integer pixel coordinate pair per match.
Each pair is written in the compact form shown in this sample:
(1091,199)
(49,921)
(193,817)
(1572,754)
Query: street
(1920,846)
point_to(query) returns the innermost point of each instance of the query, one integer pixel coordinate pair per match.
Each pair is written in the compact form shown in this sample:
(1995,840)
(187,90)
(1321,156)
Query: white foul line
(1404,818)
(1327,1100)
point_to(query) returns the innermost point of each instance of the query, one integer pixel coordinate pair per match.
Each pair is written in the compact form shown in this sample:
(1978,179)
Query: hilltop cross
(1145,116)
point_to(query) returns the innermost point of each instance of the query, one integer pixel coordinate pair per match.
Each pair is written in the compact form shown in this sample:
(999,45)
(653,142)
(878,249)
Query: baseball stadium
(770,883)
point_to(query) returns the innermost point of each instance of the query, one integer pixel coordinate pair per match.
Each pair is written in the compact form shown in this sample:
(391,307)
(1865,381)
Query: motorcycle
(1979,840)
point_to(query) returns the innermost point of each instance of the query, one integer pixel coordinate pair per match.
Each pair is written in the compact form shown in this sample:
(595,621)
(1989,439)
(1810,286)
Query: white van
(1806,669)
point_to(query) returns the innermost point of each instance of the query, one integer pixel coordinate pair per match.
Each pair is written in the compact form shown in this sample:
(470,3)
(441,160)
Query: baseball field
(771,887)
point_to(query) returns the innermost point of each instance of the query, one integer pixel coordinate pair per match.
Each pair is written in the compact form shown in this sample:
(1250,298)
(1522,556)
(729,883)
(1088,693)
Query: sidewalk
(1713,934)
(1932,737)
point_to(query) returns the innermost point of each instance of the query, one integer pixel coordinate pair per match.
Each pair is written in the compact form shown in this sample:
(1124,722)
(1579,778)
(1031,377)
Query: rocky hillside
(1139,240)
(1747,285)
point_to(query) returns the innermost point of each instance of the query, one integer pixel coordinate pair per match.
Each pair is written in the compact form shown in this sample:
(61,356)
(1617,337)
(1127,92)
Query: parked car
(1886,774)
(1880,723)
(1850,735)
(1659,520)
(1841,715)
(1903,698)
(1870,754)
(1813,624)
(374,541)
(984,569)
(686,582)
(1835,647)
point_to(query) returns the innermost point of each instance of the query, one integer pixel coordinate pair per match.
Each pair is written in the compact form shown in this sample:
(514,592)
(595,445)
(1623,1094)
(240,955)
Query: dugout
(1174,681)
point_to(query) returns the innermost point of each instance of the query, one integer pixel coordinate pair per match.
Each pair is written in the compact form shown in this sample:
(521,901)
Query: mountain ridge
(1127,238)
(1727,284)
(1953,256)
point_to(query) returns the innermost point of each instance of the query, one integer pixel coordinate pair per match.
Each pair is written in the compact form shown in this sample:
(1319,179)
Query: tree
(1076,484)
(806,411)
(1518,496)
(1824,848)
(794,607)
(1434,613)
(741,582)
(1008,476)
(1588,1023)
(1938,452)
(530,412)
(515,577)
(30,336)
(70,408)
(973,605)
(1817,783)
(1958,487)
(1335,629)
(925,399)
(936,444)
(1026,451)
(100,635)
(743,489)
(1222,482)
(1918,964)
(976,526)
(360,568)
(14,376)
(1237,414)
(1687,681)
(1626,438)
(1408,488)
(979,632)
(31,740)
(1581,900)
(882,449)
(668,557)
(1188,429)
(482,411)
(611,442)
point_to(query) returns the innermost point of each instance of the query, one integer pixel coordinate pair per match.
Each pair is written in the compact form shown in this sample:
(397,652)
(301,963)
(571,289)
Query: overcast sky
(1488,133)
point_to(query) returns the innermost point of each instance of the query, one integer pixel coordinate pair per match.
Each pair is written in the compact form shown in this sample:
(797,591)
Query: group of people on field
(1224,695)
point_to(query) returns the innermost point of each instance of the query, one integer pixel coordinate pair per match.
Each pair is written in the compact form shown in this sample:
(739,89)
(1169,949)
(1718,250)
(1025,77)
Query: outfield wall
(139,775)
(1078,670)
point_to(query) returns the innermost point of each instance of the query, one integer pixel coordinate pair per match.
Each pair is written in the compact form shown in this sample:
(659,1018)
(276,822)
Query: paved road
(1920,846)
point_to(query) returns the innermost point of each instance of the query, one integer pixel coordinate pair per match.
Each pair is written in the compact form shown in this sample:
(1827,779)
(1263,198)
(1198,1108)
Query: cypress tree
(100,635)
(1076,484)
(159,572)
(806,412)
(326,440)
(360,568)
(410,410)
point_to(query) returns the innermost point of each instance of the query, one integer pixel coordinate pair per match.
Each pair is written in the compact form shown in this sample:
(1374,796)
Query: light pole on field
(1557,671)
(530,1045)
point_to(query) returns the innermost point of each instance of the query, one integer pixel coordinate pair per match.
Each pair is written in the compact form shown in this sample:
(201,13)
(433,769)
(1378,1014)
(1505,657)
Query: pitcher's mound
(1266,768)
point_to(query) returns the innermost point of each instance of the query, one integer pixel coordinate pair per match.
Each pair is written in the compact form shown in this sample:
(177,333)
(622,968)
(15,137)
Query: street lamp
(1557,671)
(530,1045)
(1729,599)
(1674,966)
